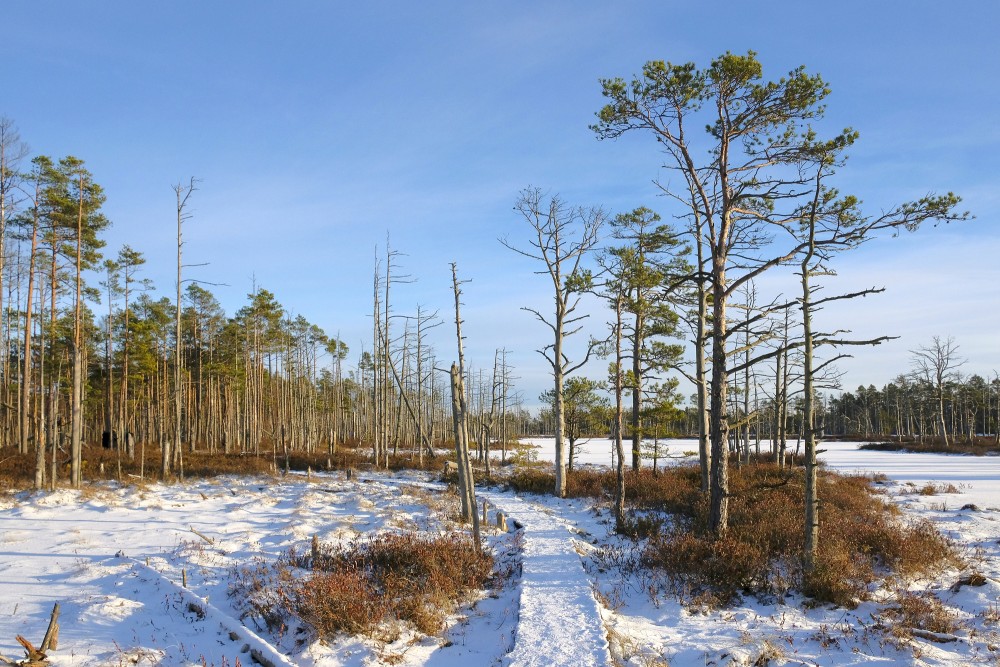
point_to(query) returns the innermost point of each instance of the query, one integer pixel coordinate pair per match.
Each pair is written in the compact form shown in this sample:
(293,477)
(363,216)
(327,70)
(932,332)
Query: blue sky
(319,128)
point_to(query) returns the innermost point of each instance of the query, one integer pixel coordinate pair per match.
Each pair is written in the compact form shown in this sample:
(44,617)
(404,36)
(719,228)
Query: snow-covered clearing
(114,558)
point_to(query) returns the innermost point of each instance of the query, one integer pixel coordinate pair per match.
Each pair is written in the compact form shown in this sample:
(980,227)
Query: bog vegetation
(866,542)
(366,586)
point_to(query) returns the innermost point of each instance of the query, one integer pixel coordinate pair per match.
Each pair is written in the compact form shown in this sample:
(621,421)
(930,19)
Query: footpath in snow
(559,621)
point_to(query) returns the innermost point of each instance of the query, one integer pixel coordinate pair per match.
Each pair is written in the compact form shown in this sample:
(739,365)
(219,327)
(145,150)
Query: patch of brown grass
(862,539)
(354,588)
(920,611)
(978,446)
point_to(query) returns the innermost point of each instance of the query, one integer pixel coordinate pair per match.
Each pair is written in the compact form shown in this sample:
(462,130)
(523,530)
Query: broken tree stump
(38,657)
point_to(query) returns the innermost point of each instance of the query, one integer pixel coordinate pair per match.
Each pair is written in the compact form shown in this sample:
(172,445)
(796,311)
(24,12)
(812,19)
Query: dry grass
(358,587)
(931,489)
(978,446)
(863,539)
(17,471)
(920,612)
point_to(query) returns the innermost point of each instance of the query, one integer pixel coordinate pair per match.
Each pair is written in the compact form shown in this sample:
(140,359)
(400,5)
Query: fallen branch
(202,536)
(936,637)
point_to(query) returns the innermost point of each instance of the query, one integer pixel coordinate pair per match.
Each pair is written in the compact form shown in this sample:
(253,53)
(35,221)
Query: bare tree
(831,224)
(170,454)
(460,412)
(563,238)
(938,364)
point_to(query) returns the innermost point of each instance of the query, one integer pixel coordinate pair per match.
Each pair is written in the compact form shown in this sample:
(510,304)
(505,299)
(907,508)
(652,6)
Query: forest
(96,356)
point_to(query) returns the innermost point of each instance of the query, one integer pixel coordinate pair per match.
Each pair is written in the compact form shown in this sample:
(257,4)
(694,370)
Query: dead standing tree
(563,237)
(172,452)
(936,364)
(460,413)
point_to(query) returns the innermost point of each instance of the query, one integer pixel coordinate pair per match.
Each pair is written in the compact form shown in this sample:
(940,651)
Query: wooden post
(51,639)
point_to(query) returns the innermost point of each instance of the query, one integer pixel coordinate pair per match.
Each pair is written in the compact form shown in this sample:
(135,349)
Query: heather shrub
(353,588)
(671,489)
(862,539)
(921,611)
(531,480)
(339,601)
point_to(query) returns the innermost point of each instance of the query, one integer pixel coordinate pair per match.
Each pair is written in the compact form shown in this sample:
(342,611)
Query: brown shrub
(921,611)
(354,587)
(339,601)
(532,480)
(723,567)
(672,489)
(17,471)
(862,538)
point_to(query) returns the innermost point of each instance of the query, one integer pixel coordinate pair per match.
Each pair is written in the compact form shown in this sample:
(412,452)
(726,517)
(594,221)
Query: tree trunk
(637,336)
(811,546)
(619,448)
(718,520)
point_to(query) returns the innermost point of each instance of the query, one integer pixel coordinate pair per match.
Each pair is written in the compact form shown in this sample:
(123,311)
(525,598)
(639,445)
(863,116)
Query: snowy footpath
(559,621)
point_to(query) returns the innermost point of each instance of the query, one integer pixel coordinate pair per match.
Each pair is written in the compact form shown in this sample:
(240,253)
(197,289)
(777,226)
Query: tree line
(94,356)
(750,186)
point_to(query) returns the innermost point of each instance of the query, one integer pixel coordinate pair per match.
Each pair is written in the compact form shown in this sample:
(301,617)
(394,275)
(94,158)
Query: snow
(115,557)
(559,622)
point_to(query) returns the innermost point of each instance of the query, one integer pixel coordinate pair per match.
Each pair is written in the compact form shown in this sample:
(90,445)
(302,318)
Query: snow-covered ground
(115,558)
(978,477)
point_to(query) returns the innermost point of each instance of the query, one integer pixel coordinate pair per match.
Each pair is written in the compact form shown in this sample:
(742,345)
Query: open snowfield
(114,558)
